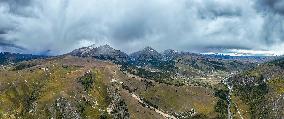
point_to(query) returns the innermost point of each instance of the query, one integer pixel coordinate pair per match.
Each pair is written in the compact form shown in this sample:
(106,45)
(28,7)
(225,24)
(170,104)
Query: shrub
(87,81)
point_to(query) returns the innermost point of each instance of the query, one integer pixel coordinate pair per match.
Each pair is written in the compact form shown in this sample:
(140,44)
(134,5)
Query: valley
(102,82)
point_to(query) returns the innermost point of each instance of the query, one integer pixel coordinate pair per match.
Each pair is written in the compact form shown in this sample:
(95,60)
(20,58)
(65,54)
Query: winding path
(156,110)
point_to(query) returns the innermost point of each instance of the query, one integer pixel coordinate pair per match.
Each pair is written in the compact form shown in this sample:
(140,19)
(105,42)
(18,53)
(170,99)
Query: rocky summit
(104,52)
(146,54)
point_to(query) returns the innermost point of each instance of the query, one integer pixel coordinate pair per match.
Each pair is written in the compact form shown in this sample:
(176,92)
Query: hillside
(259,92)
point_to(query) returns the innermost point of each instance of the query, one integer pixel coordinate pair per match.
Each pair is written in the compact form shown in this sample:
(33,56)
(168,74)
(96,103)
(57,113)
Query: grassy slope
(22,90)
(258,92)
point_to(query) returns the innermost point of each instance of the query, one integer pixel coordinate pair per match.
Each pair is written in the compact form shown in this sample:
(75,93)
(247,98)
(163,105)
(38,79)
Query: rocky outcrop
(65,109)
(118,108)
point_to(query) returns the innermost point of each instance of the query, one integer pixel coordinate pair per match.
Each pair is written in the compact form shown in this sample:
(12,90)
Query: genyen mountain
(102,82)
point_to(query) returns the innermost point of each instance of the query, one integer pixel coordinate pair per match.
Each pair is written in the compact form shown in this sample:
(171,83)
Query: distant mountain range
(240,52)
(170,63)
(148,53)
(7,57)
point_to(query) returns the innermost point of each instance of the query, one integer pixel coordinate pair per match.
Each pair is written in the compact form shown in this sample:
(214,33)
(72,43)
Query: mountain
(146,54)
(104,52)
(146,84)
(148,63)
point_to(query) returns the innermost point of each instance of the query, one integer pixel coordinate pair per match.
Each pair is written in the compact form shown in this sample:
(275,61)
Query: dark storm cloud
(2,32)
(229,46)
(18,7)
(130,30)
(4,43)
(273,29)
(273,15)
(58,26)
(16,4)
(213,9)
(276,6)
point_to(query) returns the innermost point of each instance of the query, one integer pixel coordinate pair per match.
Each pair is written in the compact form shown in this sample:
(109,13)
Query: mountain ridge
(148,53)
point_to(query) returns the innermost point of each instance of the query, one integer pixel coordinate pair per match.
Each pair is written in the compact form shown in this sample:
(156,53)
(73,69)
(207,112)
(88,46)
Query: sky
(58,26)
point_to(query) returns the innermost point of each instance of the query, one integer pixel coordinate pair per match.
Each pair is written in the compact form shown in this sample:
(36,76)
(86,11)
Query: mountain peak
(148,48)
(105,49)
(92,46)
(146,54)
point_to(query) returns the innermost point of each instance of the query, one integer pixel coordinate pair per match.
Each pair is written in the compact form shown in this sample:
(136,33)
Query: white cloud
(59,26)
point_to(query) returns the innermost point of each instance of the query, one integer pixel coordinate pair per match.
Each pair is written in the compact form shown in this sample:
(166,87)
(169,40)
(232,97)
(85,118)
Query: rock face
(83,52)
(147,54)
(118,108)
(104,52)
(170,54)
(66,110)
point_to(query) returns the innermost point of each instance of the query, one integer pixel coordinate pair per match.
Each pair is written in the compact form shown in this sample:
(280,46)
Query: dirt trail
(156,110)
